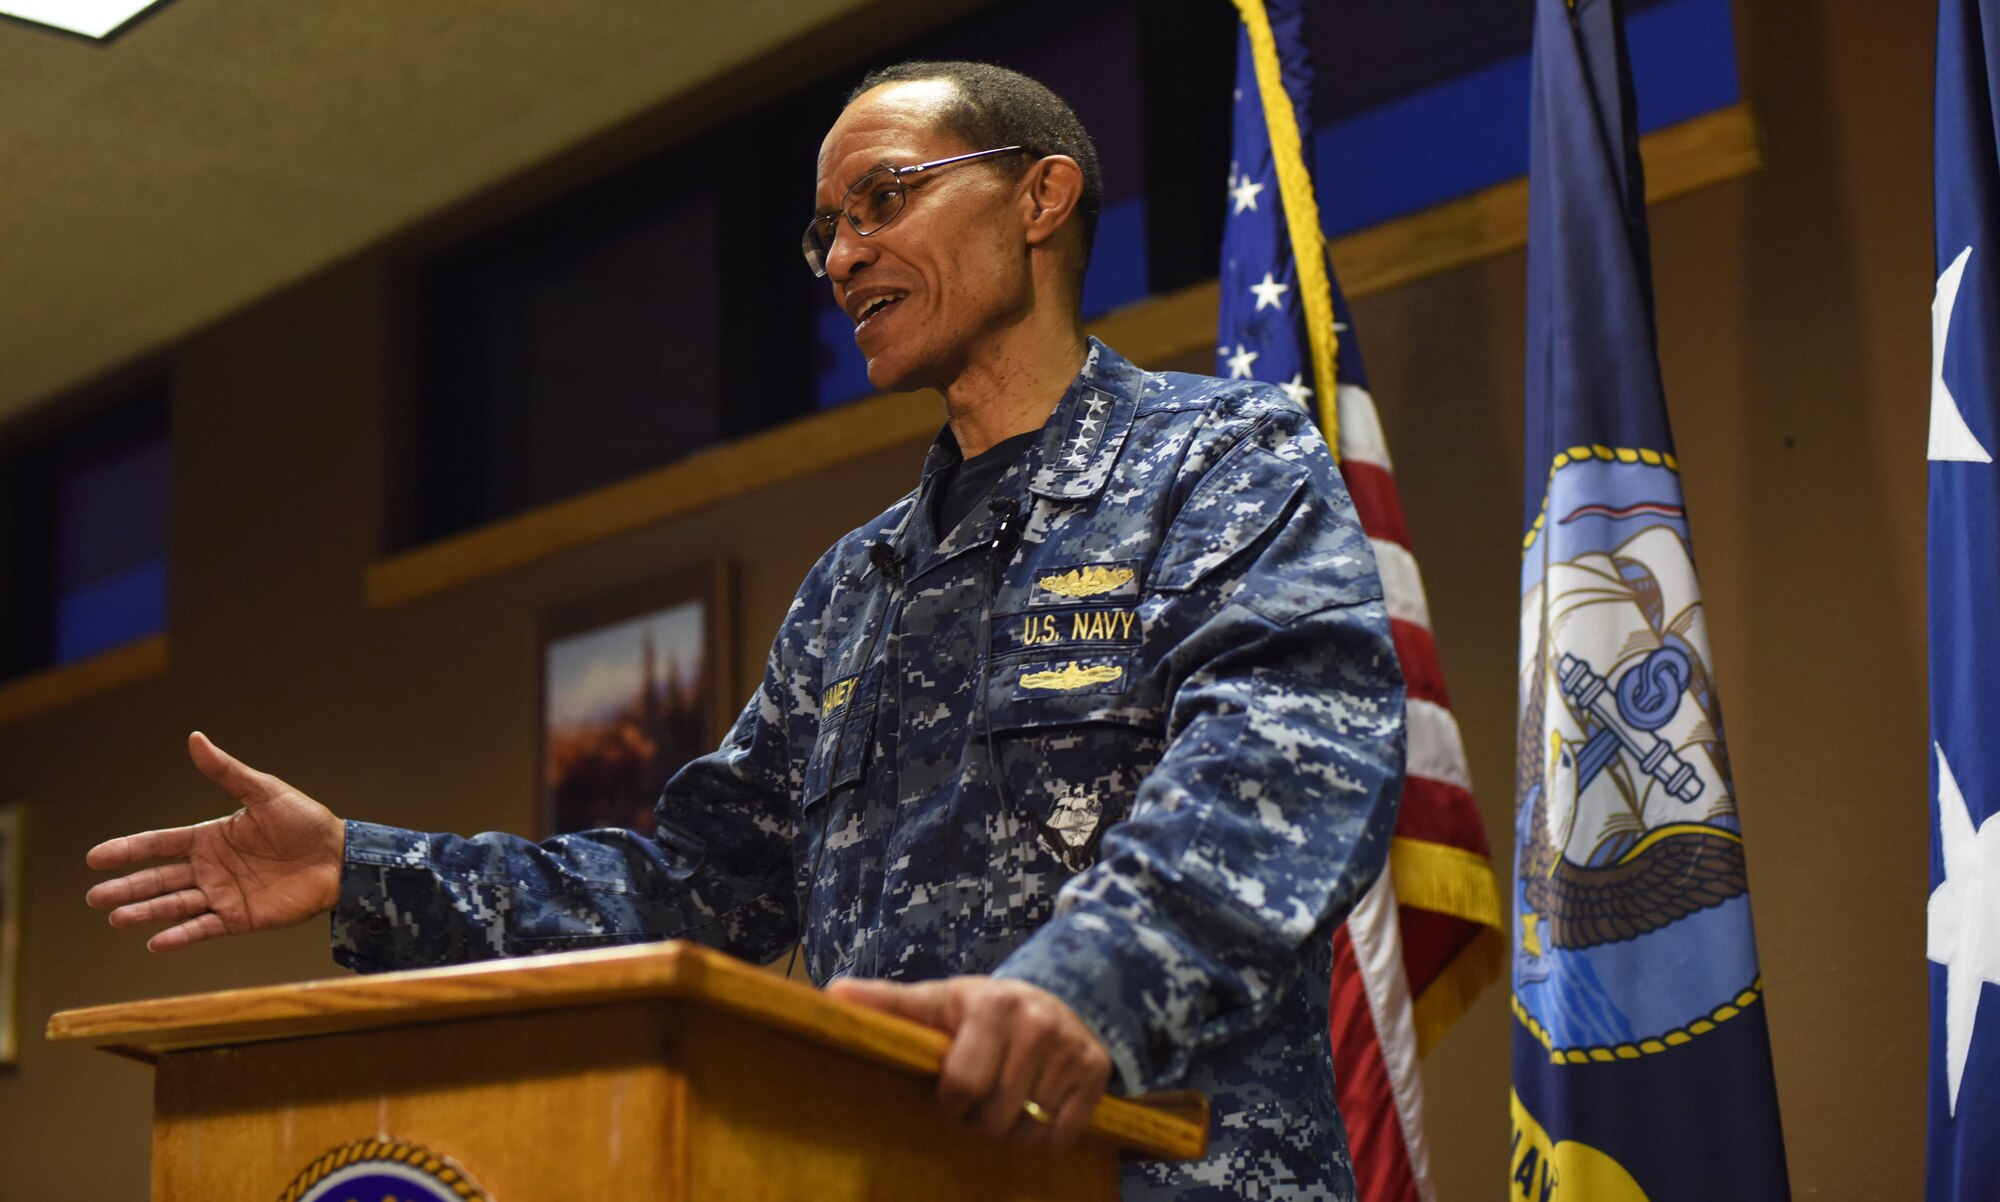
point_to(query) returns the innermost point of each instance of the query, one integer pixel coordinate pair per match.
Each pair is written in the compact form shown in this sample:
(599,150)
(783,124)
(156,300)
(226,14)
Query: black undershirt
(967,482)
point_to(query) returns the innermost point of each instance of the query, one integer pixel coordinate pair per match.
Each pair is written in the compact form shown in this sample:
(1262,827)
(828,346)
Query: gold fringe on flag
(1459,884)
(1451,993)
(1447,879)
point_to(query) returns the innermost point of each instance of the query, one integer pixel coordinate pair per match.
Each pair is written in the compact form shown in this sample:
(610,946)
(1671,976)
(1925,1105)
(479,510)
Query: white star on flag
(1244,191)
(1951,438)
(1239,363)
(1269,294)
(1963,935)
(1296,389)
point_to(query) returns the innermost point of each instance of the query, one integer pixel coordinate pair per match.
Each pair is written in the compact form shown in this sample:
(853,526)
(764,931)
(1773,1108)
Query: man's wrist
(329,894)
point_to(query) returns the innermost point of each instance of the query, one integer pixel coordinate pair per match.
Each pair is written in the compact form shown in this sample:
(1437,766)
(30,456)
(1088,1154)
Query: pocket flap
(1246,494)
(840,753)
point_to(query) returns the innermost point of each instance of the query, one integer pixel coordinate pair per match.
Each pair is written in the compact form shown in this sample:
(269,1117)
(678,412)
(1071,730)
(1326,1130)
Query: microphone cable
(1005,535)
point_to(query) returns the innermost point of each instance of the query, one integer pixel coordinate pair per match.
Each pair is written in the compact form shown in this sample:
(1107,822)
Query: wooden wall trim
(1680,158)
(704,478)
(1711,148)
(52,688)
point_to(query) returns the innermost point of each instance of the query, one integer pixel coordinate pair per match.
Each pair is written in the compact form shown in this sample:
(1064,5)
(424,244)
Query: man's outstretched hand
(1011,1043)
(273,863)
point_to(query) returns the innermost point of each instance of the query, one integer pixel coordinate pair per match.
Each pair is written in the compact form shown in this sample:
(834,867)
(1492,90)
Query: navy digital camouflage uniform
(1132,732)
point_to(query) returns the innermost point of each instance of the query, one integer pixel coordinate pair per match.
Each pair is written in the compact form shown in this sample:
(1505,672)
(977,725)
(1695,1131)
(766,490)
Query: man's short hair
(998,107)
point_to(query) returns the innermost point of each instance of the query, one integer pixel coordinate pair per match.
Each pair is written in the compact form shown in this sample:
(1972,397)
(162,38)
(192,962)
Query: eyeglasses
(873,202)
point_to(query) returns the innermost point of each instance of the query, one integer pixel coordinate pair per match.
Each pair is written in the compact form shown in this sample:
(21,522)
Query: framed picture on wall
(634,684)
(12,860)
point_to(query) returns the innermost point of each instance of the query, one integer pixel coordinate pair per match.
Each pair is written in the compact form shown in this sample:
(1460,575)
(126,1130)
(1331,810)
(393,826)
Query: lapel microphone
(1005,534)
(886,561)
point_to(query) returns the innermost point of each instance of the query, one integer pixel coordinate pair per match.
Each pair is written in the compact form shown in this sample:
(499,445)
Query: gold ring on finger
(1034,1110)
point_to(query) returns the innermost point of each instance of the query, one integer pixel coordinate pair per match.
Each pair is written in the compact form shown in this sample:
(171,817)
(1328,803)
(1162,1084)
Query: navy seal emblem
(391,1170)
(1630,849)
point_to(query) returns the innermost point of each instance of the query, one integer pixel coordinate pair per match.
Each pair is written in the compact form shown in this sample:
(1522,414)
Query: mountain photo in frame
(634,685)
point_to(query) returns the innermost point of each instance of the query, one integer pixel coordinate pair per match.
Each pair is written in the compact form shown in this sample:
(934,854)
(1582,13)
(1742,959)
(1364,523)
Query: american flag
(1426,938)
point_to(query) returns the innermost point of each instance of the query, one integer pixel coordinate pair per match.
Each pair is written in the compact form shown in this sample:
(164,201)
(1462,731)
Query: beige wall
(1793,326)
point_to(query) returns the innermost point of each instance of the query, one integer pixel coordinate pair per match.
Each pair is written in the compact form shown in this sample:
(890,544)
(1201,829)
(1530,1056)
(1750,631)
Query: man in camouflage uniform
(1093,769)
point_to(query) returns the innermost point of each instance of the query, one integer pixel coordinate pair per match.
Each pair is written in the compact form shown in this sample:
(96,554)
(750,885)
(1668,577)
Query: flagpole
(1295,190)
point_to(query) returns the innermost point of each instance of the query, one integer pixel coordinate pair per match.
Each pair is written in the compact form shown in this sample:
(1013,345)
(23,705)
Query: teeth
(875,306)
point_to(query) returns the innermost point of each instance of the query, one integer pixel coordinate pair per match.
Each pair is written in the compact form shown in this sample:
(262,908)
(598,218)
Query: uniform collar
(1072,459)
(1085,433)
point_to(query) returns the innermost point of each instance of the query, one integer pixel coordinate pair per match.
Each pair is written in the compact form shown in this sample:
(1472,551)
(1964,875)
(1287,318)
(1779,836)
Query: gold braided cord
(1295,191)
(1606,1053)
(1595,451)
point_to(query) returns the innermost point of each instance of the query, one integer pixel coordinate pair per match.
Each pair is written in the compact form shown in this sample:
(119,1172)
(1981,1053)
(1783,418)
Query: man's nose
(849,252)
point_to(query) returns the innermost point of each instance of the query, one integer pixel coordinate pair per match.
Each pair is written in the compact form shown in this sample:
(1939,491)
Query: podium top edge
(346,1003)
(1173,1127)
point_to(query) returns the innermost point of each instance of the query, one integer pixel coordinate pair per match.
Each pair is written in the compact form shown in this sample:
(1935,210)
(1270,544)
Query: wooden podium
(663,1071)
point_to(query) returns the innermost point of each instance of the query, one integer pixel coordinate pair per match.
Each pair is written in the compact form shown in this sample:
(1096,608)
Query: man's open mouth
(875,306)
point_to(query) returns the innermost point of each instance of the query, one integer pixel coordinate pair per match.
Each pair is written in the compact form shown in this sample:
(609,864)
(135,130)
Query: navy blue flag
(1642,1064)
(1964,554)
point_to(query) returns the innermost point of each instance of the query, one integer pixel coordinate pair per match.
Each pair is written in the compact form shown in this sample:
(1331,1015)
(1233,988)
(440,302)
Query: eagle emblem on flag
(1627,830)
(1631,821)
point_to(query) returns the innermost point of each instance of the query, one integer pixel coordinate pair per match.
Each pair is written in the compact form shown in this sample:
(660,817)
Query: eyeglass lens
(872,202)
(869,205)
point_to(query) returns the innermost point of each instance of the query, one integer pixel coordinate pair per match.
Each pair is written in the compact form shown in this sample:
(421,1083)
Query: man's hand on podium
(273,863)
(1021,1064)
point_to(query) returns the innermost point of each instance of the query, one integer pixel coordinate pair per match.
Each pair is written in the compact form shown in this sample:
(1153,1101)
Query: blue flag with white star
(1642,1065)
(1964,554)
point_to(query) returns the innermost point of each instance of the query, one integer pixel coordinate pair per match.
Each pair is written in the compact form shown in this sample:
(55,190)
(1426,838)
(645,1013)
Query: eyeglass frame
(816,254)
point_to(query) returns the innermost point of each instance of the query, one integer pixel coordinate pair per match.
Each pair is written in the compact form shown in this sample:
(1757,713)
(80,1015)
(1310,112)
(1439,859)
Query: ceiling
(220,150)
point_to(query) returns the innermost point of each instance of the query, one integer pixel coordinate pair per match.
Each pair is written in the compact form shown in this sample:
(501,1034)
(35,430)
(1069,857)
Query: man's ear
(1049,196)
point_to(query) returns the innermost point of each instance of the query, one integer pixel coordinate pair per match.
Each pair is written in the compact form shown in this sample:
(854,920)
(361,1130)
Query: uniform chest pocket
(1073,737)
(827,875)
(846,734)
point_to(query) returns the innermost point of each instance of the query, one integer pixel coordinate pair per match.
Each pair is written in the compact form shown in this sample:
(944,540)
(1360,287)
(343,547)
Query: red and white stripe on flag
(1426,938)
